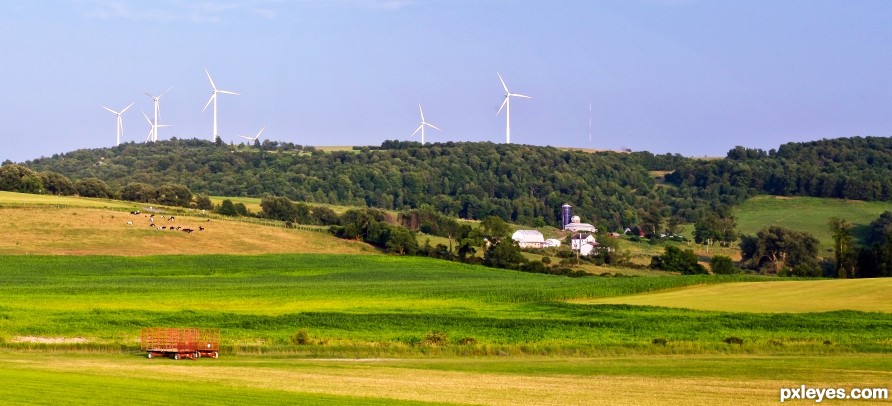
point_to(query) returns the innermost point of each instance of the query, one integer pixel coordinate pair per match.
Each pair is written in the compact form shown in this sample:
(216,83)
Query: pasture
(788,296)
(809,214)
(74,226)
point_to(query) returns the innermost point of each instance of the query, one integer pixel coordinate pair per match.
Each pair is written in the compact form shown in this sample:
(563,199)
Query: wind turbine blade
(147,118)
(115,112)
(165,92)
(147,94)
(503,105)
(164,125)
(421,111)
(209,102)
(503,82)
(209,78)
(125,108)
(433,126)
(259,132)
(247,138)
(521,95)
(228,92)
(418,129)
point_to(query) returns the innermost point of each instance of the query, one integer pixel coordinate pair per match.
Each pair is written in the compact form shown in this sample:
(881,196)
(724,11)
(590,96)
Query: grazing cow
(152,225)
(188,230)
(178,228)
(170,219)
(200,228)
(164,227)
(129,223)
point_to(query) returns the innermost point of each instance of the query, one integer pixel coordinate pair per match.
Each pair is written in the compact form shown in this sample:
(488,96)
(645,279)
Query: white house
(552,242)
(528,238)
(584,243)
(575,225)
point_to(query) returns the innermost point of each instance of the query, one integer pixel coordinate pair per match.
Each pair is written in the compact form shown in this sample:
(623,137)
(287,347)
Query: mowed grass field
(800,296)
(41,378)
(809,214)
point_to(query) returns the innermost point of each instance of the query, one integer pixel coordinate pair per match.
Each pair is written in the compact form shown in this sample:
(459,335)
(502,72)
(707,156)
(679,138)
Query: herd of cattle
(151,218)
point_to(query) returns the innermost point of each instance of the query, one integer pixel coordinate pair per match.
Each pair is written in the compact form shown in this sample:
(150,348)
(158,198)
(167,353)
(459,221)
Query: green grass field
(386,306)
(809,214)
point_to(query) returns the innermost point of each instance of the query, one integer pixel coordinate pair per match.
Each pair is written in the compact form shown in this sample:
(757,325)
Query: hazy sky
(682,76)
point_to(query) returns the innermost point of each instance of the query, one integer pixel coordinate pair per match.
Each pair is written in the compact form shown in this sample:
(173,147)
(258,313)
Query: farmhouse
(584,243)
(528,238)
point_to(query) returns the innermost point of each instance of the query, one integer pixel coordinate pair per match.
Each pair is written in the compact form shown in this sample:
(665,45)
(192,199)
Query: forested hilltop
(519,183)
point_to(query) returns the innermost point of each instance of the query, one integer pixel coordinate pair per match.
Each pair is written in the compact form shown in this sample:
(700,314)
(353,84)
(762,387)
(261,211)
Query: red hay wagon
(179,343)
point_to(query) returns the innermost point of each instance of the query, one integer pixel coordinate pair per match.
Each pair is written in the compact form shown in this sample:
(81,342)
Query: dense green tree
(227,208)
(675,259)
(722,265)
(776,248)
(57,184)
(18,178)
(92,187)
(139,192)
(843,247)
(174,195)
(203,202)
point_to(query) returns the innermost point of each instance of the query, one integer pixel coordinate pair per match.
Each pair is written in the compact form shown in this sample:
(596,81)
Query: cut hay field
(809,214)
(35,224)
(113,379)
(800,296)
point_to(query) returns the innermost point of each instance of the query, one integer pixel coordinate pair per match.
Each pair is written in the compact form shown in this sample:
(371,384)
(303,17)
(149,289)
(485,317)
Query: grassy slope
(36,224)
(870,295)
(806,214)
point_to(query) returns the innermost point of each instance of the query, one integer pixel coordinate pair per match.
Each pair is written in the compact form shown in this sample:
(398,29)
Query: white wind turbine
(507,105)
(422,124)
(254,138)
(153,128)
(214,99)
(157,105)
(120,130)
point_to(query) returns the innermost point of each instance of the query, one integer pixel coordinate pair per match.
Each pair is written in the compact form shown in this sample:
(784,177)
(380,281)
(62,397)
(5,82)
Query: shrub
(733,340)
(467,341)
(722,265)
(660,341)
(435,339)
(301,337)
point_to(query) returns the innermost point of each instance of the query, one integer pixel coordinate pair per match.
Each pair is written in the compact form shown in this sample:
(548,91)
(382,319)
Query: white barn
(577,226)
(528,238)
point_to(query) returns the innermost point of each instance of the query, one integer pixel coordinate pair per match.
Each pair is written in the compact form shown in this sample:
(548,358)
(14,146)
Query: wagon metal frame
(180,343)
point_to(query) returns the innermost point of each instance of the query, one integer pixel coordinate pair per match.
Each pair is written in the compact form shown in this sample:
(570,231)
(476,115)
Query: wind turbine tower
(214,99)
(507,106)
(153,128)
(157,105)
(422,124)
(120,130)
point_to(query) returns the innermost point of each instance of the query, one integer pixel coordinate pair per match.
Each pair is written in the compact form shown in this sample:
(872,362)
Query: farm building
(551,242)
(584,243)
(575,225)
(528,238)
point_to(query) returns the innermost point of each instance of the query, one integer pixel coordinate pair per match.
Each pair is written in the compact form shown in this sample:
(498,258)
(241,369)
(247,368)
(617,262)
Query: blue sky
(681,76)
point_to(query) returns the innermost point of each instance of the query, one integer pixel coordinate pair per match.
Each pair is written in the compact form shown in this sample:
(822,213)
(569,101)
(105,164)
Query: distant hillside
(520,183)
